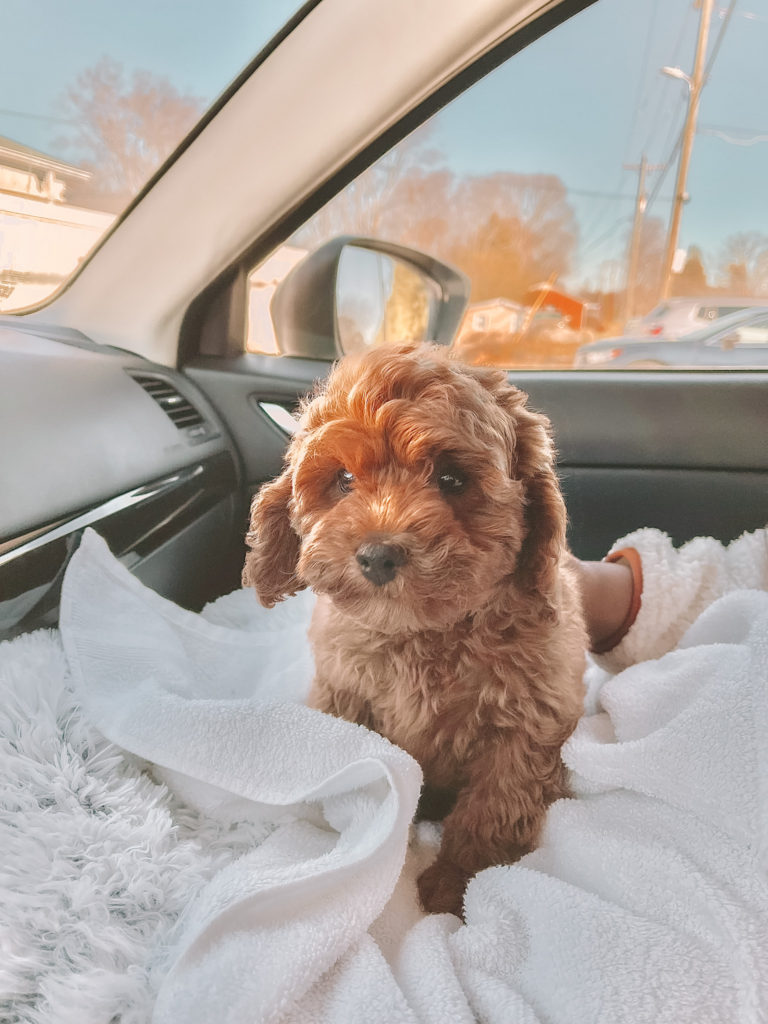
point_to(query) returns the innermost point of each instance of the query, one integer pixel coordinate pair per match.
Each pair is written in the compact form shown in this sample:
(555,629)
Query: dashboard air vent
(178,408)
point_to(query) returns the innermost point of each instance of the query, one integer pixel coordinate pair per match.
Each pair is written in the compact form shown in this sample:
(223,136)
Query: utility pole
(633,258)
(695,85)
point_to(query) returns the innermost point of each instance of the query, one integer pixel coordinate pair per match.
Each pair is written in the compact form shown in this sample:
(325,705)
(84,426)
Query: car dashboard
(98,437)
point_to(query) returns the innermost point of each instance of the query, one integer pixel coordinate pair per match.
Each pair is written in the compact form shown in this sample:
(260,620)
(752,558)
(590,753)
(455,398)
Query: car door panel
(607,503)
(671,419)
(235,388)
(684,453)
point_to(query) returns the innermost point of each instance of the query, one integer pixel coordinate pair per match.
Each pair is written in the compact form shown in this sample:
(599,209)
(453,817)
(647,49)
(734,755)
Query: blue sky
(590,97)
(580,103)
(198,44)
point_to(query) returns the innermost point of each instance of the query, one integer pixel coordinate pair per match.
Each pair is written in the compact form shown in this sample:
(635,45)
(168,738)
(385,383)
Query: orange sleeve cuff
(632,558)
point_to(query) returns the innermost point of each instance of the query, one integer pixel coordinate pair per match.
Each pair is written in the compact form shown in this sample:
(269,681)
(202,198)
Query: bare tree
(507,231)
(406,315)
(126,127)
(692,279)
(513,231)
(650,265)
(368,205)
(743,263)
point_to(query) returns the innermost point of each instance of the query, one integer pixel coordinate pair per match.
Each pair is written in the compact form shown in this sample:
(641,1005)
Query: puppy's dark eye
(344,480)
(451,481)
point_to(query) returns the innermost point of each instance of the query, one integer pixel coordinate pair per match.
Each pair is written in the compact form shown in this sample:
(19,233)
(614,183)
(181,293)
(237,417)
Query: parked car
(551,327)
(547,342)
(737,340)
(677,317)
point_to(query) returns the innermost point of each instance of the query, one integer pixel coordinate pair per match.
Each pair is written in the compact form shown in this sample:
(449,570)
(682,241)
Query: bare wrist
(610,592)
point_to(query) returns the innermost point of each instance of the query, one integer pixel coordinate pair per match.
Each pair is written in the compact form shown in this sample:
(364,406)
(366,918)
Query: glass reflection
(380,300)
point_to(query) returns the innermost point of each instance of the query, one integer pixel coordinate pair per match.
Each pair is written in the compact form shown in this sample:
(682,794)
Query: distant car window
(659,311)
(753,333)
(550,183)
(752,336)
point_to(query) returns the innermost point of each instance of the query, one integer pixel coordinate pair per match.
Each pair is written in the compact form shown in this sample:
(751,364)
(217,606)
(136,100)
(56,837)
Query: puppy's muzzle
(379,562)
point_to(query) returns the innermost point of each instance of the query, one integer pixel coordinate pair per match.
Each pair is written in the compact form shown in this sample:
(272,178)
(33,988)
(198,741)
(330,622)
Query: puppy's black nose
(379,562)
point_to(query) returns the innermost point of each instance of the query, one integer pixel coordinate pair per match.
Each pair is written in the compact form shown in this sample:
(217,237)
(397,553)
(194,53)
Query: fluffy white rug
(645,903)
(97,861)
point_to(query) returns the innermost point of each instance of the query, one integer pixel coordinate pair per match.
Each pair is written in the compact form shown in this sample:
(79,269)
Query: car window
(94,98)
(726,324)
(550,184)
(659,311)
(755,333)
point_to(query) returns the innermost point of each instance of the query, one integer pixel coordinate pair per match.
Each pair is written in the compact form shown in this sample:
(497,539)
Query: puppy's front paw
(441,888)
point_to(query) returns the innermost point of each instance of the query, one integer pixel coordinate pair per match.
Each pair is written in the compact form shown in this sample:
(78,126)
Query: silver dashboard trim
(130,499)
(280,416)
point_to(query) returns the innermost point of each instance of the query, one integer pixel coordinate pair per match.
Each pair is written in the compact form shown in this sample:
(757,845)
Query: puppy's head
(415,486)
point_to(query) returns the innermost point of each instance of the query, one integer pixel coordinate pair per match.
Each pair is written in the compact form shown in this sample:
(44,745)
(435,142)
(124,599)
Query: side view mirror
(355,293)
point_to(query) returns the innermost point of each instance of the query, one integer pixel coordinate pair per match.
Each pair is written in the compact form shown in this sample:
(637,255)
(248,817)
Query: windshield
(93,98)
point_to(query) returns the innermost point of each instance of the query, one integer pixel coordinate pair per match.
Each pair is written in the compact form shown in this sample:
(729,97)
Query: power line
(707,72)
(624,196)
(695,82)
(720,36)
(673,57)
(590,246)
(747,15)
(645,64)
(36,117)
(748,137)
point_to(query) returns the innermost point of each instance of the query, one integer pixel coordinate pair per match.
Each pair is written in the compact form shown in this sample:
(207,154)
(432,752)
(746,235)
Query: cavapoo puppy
(419,501)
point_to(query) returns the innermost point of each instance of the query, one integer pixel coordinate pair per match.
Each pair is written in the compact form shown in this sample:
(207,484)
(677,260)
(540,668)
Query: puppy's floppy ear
(270,565)
(533,462)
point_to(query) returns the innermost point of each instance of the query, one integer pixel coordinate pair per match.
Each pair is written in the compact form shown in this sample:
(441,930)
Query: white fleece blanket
(646,901)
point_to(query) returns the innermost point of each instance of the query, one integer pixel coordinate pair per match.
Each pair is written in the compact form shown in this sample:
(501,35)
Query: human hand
(607,591)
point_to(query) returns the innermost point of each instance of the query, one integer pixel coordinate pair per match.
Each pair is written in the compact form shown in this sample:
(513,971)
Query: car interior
(190,834)
(129,401)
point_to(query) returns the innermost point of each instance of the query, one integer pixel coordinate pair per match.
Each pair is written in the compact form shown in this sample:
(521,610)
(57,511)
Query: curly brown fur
(464,642)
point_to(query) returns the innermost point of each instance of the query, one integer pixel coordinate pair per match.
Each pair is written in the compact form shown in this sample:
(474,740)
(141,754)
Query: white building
(42,237)
(262,283)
